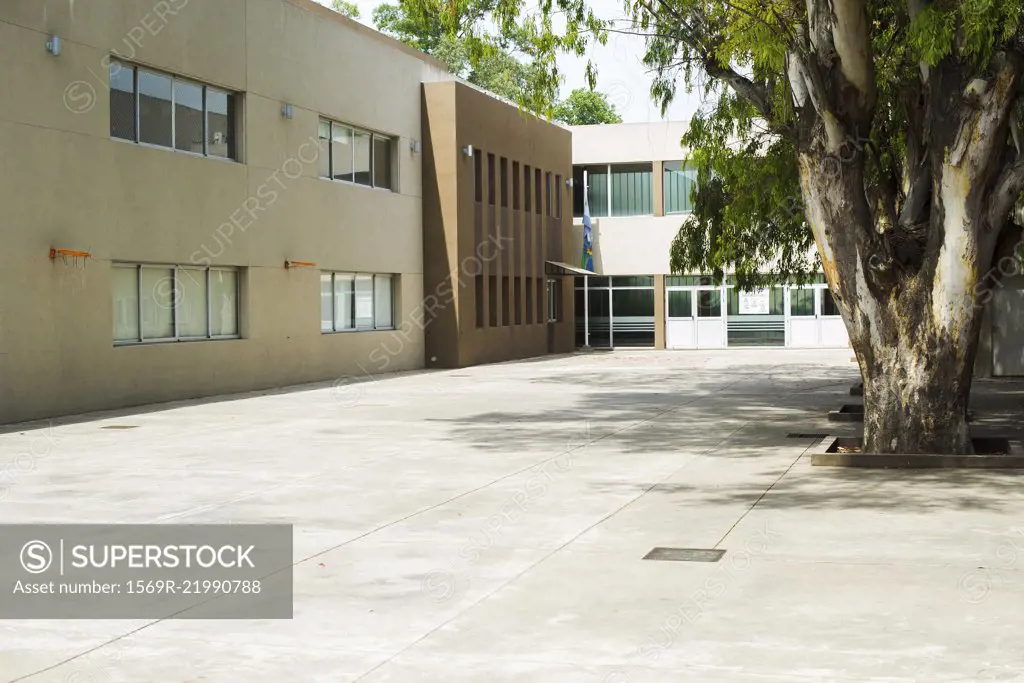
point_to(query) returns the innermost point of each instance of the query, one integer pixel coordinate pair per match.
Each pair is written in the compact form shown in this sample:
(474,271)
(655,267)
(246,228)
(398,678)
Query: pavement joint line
(452,499)
(409,516)
(540,561)
(765,493)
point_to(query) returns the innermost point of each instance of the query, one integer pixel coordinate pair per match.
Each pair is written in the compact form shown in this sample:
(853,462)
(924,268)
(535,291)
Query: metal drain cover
(811,435)
(120,427)
(685,555)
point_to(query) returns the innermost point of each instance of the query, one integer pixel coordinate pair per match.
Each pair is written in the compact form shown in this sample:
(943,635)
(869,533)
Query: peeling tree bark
(914,325)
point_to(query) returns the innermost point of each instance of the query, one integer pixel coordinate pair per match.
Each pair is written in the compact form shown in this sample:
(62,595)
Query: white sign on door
(755,302)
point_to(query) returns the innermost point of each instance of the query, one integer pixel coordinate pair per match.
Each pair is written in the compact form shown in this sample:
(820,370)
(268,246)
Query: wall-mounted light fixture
(287,111)
(468,150)
(568,182)
(53,45)
(415,147)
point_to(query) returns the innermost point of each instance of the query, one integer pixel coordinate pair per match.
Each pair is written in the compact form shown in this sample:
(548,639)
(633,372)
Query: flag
(588,231)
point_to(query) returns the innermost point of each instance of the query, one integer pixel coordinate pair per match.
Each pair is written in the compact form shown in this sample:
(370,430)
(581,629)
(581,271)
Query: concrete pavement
(488,524)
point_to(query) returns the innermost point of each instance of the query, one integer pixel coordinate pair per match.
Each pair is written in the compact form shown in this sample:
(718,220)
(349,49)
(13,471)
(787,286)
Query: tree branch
(852,40)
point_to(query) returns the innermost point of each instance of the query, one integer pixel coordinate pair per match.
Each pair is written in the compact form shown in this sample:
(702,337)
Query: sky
(620,73)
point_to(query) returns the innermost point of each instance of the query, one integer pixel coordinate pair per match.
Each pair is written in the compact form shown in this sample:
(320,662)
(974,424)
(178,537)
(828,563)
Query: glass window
(155,109)
(478,290)
(362,149)
(682,280)
(516,182)
(188,117)
(381,162)
(220,108)
(491,182)
(828,303)
(537,195)
(801,302)
(122,101)
(324,154)
(478,180)
(326,302)
(709,303)
(344,308)
(680,303)
(633,281)
(192,302)
(632,194)
(526,191)
(547,193)
(364,302)
(223,303)
(382,302)
(680,179)
(504,181)
(596,187)
(124,285)
(341,152)
(157,294)
(554,301)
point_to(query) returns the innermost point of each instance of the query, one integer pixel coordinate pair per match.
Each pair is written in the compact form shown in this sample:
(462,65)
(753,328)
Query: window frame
(175,316)
(136,69)
(353,275)
(374,136)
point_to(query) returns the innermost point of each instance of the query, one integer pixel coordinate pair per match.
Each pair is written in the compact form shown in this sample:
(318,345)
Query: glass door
(680,328)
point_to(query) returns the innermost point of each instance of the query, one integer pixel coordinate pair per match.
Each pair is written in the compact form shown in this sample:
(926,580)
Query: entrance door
(680,328)
(1008,332)
(802,310)
(710,318)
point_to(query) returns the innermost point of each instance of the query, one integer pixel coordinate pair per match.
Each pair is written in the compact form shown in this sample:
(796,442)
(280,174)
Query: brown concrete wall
(67,183)
(513,243)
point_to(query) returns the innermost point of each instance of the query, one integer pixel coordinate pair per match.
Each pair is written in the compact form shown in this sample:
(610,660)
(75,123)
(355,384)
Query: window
(517,295)
(801,302)
(680,179)
(492,301)
(595,185)
(355,156)
(631,190)
(680,303)
(158,109)
(478,164)
(356,301)
(828,303)
(547,193)
(491,181)
(529,301)
(614,190)
(554,301)
(173,303)
(515,185)
(478,287)
(526,186)
(541,282)
(536,194)
(504,181)
(709,303)
(506,295)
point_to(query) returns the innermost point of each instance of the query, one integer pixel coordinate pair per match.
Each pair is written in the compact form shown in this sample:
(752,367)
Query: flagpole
(586,285)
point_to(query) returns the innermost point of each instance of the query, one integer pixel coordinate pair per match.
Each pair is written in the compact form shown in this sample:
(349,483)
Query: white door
(833,329)
(1007,312)
(802,316)
(710,318)
(680,329)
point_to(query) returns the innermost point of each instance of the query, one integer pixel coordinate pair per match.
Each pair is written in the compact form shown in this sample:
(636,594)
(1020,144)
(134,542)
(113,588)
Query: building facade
(495,220)
(638,185)
(187,186)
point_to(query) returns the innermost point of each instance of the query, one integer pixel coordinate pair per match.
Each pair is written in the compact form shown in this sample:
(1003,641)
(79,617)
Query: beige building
(233,169)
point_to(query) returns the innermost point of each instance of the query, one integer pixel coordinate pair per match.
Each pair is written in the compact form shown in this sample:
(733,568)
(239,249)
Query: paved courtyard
(488,524)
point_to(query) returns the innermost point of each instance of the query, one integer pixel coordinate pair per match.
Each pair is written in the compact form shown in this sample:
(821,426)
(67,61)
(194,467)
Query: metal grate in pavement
(685,555)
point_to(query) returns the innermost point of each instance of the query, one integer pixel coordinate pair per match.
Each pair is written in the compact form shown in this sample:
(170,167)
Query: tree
(584,107)
(462,36)
(349,9)
(895,124)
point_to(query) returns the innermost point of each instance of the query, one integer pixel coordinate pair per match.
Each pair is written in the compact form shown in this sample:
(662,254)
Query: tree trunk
(916,403)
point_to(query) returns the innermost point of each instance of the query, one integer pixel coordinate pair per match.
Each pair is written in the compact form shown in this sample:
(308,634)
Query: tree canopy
(584,107)
(346,7)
